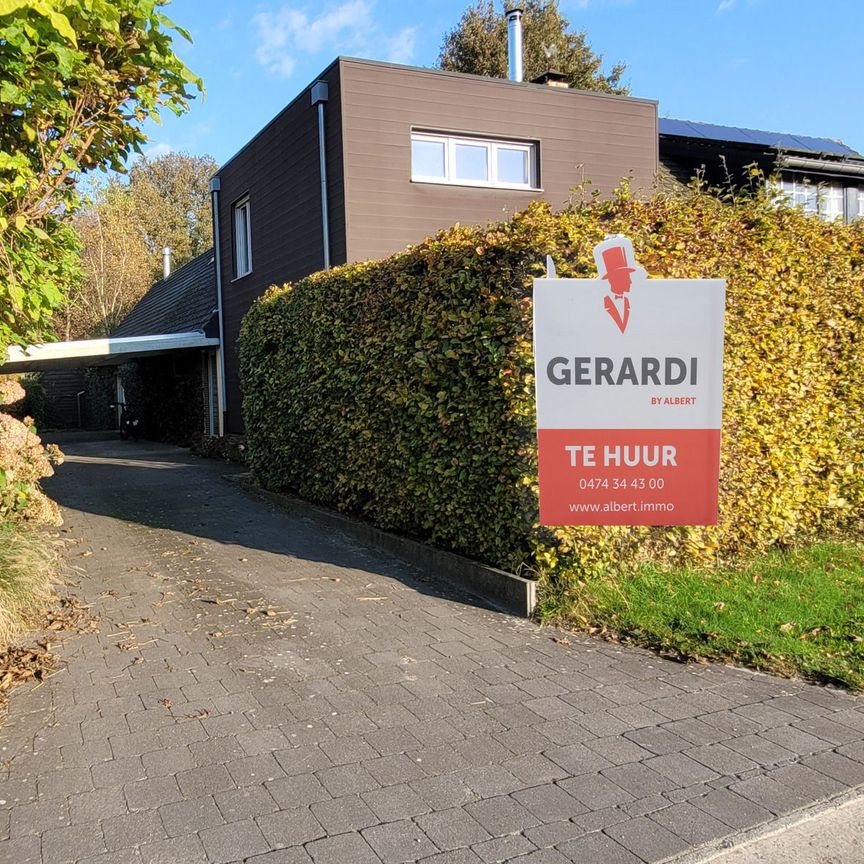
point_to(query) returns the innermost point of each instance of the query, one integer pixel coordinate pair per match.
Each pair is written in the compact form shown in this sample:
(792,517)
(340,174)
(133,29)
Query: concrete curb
(500,589)
(721,847)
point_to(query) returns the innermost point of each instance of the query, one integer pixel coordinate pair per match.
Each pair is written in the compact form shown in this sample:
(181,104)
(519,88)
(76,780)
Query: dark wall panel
(582,135)
(279,170)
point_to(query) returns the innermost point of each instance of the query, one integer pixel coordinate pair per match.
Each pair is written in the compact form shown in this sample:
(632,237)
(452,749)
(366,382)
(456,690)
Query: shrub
(23,462)
(402,390)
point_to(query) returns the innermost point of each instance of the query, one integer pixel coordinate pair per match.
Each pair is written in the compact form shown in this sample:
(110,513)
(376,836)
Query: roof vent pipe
(514,44)
(166,262)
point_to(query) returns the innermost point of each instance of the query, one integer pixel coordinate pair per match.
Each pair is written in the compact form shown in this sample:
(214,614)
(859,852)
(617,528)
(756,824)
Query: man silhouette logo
(614,257)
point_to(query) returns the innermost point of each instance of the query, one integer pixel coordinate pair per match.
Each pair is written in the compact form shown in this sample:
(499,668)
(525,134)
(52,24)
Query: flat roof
(98,352)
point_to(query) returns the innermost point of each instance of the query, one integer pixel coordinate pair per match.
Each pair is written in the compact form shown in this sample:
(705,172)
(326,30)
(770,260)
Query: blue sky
(766,64)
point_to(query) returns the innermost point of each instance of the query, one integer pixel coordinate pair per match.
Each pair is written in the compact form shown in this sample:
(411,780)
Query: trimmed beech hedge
(402,390)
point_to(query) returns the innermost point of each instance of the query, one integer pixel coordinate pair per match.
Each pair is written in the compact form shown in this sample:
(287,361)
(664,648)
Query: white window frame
(239,206)
(815,194)
(491,145)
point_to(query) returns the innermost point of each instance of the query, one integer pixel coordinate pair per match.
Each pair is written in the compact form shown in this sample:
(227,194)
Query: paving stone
(347,780)
(501,815)
(150,794)
(189,816)
(132,830)
(160,763)
(847,771)
(302,760)
(501,849)
(23,850)
(719,758)
(596,792)
(597,847)
(290,828)
(638,779)
(577,759)
(204,781)
(395,802)
(216,751)
(760,750)
(298,791)
(807,782)
(549,802)
(399,842)
(450,829)
(246,803)
(770,794)
(488,781)
(176,850)
(117,772)
(680,769)
(42,815)
(732,809)
(348,813)
(342,849)
(233,842)
(691,824)
(658,740)
(443,792)
(351,749)
(66,781)
(98,804)
(389,770)
(281,856)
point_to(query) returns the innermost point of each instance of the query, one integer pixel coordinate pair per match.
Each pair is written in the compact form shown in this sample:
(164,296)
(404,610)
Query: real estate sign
(629,375)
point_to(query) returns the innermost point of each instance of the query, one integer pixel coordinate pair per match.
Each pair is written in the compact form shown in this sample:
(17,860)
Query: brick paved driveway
(369,717)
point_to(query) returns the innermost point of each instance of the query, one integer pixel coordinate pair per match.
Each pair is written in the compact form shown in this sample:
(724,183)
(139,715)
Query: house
(823,176)
(174,393)
(371,157)
(171,337)
(367,159)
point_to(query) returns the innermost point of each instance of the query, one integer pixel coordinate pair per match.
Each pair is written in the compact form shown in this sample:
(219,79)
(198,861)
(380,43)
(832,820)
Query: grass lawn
(799,612)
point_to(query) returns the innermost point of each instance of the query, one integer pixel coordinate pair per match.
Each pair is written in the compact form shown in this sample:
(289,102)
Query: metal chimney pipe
(514,44)
(166,262)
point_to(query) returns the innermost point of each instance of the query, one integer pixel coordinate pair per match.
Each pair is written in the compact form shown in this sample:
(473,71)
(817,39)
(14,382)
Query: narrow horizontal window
(464,161)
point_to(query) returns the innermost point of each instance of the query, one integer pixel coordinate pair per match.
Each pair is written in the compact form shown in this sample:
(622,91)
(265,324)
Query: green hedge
(402,390)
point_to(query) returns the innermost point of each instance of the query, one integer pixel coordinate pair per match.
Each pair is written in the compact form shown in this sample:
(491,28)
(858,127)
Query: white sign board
(629,375)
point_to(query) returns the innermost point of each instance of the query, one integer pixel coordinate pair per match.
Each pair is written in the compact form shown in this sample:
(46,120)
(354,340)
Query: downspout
(320,95)
(215,187)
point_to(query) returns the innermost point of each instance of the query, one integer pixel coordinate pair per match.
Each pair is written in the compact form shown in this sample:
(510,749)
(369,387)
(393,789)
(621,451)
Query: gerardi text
(637,371)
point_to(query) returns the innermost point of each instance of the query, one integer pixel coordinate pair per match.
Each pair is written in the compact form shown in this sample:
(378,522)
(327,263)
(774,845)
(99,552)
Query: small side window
(242,238)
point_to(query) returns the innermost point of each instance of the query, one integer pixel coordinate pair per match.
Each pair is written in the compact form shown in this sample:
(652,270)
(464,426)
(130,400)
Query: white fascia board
(103,349)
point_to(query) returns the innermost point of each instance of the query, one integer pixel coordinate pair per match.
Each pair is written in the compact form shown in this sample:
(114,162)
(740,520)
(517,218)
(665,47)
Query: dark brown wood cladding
(279,170)
(582,136)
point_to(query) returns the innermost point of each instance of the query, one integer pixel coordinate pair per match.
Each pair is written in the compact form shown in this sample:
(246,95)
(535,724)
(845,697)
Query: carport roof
(176,314)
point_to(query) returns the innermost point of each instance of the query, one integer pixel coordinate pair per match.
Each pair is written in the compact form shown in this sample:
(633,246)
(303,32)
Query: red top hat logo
(616,263)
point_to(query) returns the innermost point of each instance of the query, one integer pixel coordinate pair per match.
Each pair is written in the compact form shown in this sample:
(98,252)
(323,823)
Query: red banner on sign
(628,476)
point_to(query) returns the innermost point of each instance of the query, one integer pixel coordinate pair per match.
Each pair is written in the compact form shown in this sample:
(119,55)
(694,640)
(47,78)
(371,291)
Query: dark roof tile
(183,303)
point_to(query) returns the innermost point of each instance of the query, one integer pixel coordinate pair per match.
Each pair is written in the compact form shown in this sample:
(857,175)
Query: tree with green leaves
(478,45)
(172,205)
(78,79)
(122,228)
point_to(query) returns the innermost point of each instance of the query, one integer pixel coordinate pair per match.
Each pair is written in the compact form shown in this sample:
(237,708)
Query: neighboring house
(372,157)
(822,176)
(176,392)
(170,337)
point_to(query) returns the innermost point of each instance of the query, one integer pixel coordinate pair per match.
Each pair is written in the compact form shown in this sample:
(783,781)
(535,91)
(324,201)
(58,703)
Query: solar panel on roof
(741,135)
